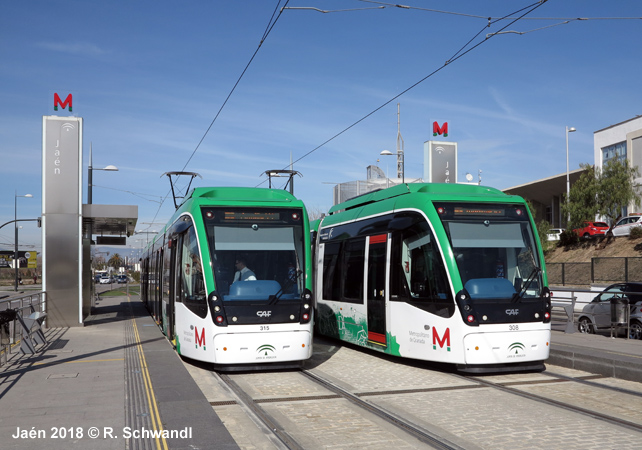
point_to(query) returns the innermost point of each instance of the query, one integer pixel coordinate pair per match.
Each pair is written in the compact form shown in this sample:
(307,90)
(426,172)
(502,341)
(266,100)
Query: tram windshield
(257,254)
(495,250)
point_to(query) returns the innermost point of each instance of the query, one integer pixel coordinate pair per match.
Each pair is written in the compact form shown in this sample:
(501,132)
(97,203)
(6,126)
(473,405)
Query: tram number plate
(264,328)
(513,327)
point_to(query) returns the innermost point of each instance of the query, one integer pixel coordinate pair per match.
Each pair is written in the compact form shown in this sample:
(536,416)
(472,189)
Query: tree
(315,213)
(617,189)
(602,192)
(115,261)
(581,204)
(543,227)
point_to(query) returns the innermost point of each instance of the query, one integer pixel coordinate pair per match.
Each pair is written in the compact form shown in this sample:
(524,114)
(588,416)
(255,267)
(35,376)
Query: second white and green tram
(190,284)
(438,272)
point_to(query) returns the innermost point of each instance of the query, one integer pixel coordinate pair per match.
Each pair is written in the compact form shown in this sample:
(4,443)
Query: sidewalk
(115,383)
(598,353)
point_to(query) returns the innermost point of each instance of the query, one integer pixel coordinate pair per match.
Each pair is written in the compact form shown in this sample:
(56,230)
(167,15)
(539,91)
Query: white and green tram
(438,272)
(229,278)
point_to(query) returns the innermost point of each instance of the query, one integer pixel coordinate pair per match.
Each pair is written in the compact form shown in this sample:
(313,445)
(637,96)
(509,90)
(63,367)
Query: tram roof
(242,194)
(426,188)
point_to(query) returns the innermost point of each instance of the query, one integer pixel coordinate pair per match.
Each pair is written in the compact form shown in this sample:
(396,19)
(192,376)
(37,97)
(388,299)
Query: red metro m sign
(436,129)
(68,102)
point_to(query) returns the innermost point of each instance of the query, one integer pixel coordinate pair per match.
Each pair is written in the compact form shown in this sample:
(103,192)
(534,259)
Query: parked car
(122,279)
(554,234)
(592,229)
(105,279)
(623,226)
(597,314)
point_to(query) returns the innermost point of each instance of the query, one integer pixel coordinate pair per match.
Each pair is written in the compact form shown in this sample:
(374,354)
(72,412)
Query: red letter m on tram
(436,129)
(63,105)
(200,340)
(441,341)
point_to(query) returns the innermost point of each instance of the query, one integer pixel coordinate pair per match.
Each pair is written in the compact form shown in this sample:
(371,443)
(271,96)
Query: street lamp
(90,170)
(400,163)
(568,181)
(15,255)
(400,147)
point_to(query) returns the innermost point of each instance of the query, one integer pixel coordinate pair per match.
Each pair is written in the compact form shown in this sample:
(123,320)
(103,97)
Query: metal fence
(599,270)
(569,314)
(13,309)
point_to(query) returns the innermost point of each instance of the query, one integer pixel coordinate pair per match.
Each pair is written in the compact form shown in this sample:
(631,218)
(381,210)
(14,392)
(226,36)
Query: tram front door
(376,289)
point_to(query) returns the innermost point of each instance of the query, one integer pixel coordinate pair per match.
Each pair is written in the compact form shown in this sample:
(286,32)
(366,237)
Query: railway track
(512,388)
(287,440)
(348,398)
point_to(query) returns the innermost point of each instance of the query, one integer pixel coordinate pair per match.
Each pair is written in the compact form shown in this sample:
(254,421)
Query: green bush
(543,229)
(636,232)
(569,237)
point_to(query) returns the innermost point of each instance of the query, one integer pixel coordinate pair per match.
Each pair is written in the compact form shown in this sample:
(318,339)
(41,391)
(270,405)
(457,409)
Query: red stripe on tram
(376,337)
(378,239)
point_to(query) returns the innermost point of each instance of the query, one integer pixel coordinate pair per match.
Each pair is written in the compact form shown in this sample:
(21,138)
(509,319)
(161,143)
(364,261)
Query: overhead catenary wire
(276,14)
(475,16)
(457,55)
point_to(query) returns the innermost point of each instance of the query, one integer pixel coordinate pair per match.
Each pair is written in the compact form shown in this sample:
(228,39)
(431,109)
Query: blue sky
(148,78)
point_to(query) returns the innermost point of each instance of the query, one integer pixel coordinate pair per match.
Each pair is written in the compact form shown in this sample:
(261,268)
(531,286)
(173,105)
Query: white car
(105,279)
(554,234)
(624,225)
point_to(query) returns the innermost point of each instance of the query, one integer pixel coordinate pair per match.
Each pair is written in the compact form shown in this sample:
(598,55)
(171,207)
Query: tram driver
(242,271)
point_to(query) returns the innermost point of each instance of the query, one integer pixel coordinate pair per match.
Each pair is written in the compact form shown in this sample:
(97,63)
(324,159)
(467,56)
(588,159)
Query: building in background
(622,140)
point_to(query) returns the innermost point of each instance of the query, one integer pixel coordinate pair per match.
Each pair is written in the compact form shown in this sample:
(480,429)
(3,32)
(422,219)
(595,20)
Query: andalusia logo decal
(516,347)
(265,349)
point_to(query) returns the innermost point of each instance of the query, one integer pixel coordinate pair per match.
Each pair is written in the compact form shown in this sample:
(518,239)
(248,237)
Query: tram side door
(175,274)
(376,289)
(172,288)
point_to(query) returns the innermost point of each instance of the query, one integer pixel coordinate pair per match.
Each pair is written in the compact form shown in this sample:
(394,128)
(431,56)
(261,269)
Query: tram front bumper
(507,347)
(253,348)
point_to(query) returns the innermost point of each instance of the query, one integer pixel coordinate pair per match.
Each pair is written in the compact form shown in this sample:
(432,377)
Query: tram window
(418,274)
(271,251)
(193,292)
(166,272)
(353,262)
(331,271)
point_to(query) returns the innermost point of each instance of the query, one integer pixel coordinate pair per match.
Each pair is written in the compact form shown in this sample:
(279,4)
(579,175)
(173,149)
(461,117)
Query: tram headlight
(306,306)
(216,308)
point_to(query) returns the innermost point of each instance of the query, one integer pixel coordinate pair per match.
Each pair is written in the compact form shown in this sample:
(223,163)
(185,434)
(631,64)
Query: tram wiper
(518,295)
(286,286)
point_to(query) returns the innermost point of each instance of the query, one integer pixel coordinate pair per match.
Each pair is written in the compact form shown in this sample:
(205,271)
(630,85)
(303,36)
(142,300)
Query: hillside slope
(604,247)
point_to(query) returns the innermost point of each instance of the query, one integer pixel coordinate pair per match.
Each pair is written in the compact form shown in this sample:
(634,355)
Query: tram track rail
(509,388)
(375,407)
(414,430)
(271,425)
(261,416)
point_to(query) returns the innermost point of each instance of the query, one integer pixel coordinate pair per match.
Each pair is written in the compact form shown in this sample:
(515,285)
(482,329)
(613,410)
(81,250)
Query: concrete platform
(115,383)
(598,353)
